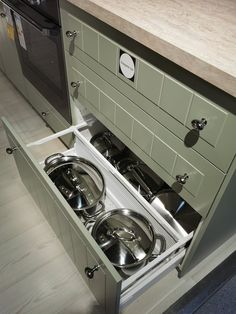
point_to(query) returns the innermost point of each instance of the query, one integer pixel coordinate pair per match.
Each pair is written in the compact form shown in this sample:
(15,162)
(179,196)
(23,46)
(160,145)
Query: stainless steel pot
(127,238)
(79,181)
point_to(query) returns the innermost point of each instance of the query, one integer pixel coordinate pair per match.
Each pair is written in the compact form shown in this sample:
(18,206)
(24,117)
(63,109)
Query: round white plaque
(127,65)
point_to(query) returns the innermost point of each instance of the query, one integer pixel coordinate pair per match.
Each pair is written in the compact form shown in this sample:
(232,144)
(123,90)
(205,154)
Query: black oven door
(39,45)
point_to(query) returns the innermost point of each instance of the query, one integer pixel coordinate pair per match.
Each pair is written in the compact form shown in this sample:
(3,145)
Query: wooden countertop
(198,35)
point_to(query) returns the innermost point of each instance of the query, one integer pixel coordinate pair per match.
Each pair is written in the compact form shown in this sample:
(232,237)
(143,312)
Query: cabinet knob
(182,178)
(75,84)
(2,14)
(10,150)
(199,124)
(71,35)
(44,113)
(90,271)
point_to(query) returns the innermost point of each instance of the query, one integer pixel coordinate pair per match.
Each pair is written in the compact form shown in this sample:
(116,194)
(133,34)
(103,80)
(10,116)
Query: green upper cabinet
(175,99)
(150,81)
(201,125)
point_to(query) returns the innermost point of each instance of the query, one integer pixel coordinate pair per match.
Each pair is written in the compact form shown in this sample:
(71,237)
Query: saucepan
(80,182)
(127,238)
(108,145)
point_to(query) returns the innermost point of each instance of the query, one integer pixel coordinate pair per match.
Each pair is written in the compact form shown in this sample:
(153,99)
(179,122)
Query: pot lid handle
(81,185)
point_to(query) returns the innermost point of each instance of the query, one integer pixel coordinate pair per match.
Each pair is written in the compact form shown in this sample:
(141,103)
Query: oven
(40,49)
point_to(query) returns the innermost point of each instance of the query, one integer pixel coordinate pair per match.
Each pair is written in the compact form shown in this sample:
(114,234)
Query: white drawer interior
(120,194)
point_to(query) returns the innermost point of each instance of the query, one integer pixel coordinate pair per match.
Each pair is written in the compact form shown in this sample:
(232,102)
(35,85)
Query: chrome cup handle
(52,157)
(90,271)
(162,240)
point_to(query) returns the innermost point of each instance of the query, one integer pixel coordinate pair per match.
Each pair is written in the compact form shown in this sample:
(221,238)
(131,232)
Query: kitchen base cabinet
(176,123)
(111,289)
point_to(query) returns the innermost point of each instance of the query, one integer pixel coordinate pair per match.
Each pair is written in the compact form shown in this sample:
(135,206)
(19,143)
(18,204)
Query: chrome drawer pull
(10,150)
(199,124)
(3,14)
(71,35)
(90,271)
(75,84)
(182,178)
(44,113)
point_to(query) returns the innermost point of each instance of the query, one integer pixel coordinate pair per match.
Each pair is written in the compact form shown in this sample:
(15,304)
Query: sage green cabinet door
(106,284)
(9,54)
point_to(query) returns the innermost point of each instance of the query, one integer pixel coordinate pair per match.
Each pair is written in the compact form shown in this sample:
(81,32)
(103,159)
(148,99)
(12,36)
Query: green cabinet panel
(108,54)
(90,42)
(92,94)
(65,234)
(107,107)
(80,253)
(195,177)
(216,117)
(124,121)
(52,214)
(163,155)
(175,99)
(142,137)
(149,81)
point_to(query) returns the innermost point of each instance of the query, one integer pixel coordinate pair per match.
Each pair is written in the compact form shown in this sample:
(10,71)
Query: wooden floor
(36,275)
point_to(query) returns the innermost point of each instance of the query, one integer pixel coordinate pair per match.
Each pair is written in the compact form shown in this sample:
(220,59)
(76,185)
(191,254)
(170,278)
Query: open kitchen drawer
(111,289)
